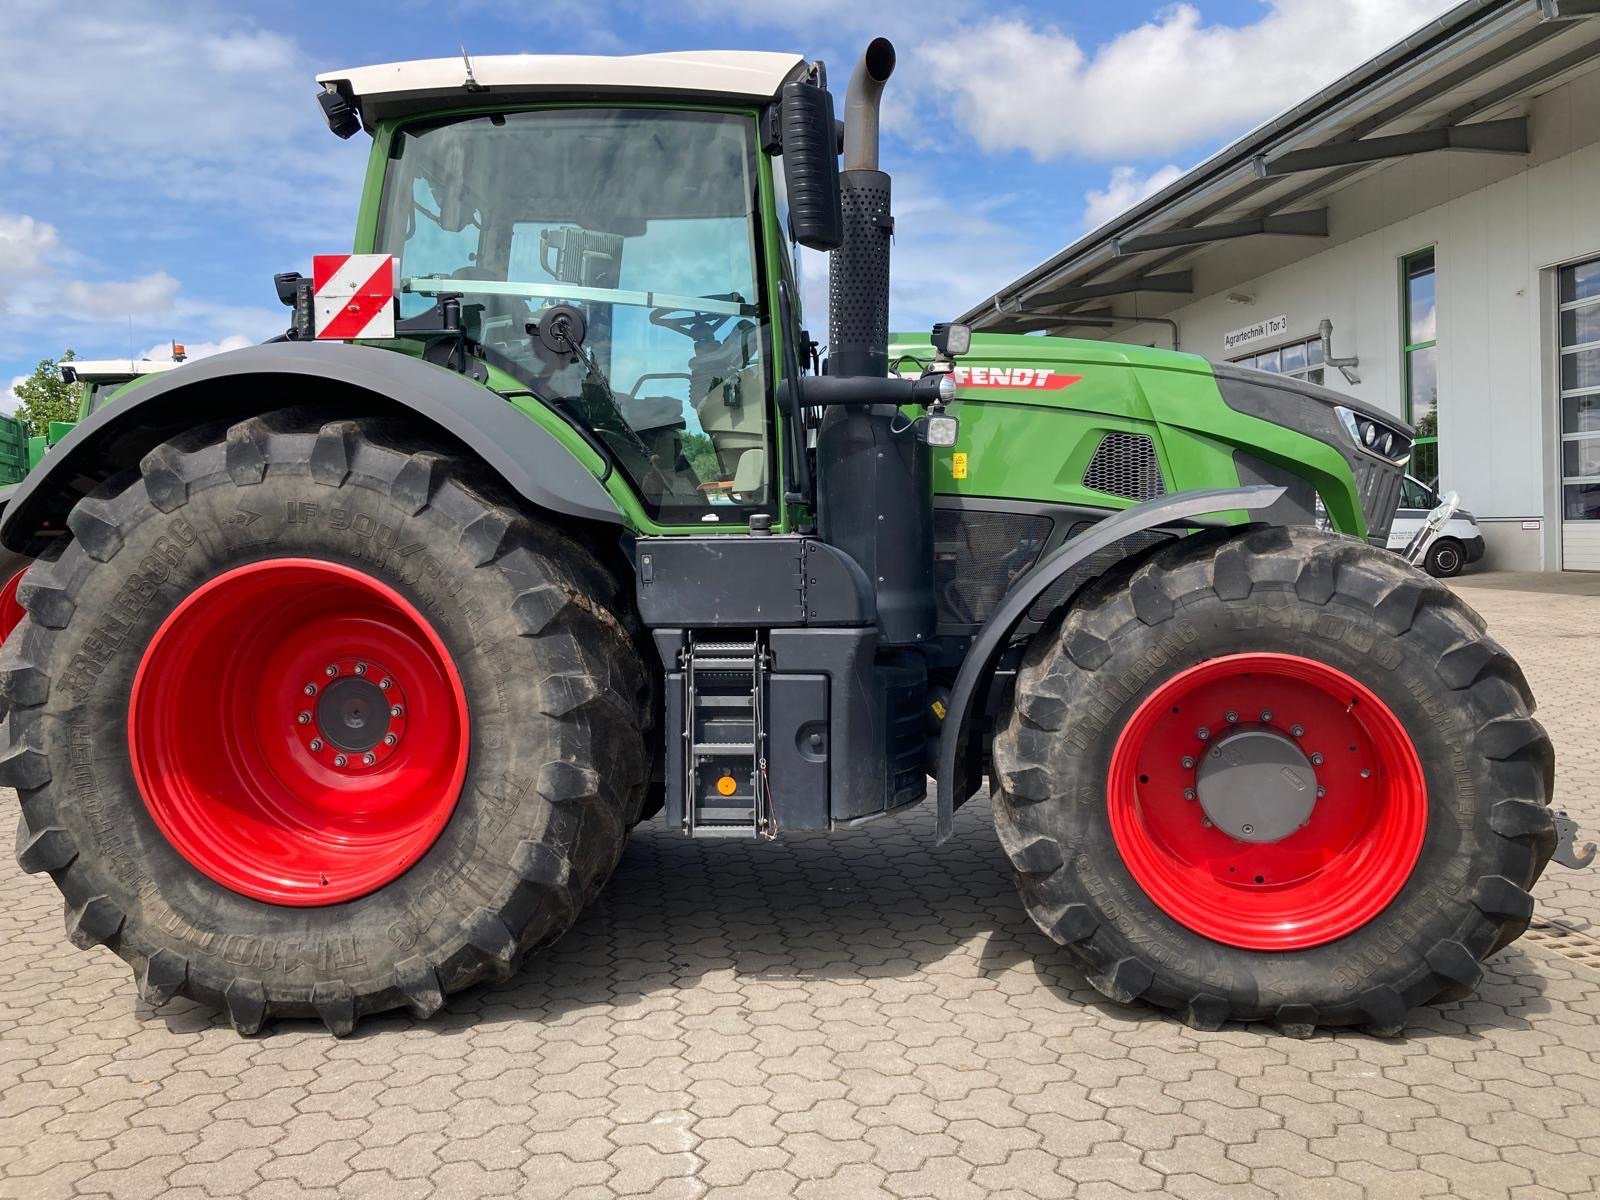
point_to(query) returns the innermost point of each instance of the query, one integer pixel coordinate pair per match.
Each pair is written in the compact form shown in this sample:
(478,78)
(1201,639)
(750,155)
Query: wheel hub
(352,717)
(1256,785)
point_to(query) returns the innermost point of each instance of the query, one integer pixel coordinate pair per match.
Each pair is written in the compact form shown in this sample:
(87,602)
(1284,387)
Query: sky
(160,161)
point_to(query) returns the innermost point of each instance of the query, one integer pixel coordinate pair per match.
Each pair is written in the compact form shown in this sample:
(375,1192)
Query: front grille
(978,555)
(1124,464)
(1378,484)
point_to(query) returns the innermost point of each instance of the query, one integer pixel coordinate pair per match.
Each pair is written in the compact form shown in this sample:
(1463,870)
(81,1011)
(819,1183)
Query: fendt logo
(1036,378)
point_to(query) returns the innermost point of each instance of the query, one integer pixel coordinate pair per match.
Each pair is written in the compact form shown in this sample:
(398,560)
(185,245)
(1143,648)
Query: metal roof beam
(1175,282)
(1311,222)
(1566,10)
(1493,137)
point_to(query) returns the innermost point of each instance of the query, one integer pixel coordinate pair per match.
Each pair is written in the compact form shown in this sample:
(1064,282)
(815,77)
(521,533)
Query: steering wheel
(692,323)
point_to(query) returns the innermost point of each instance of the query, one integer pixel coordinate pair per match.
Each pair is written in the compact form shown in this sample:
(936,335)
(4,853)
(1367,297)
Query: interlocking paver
(834,1019)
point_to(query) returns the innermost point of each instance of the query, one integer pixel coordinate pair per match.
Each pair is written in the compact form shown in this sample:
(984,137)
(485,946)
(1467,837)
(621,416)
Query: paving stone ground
(851,1017)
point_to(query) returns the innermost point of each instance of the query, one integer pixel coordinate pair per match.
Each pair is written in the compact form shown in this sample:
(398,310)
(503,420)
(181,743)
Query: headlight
(940,430)
(1373,436)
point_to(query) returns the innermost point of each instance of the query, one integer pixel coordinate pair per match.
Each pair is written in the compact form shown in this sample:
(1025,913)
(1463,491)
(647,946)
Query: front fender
(241,383)
(976,668)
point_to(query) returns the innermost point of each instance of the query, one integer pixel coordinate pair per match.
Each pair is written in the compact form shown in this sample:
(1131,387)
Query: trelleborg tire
(1275,775)
(306,723)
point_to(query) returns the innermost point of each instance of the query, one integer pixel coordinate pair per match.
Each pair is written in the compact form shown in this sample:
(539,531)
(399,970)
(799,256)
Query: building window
(1580,391)
(1420,349)
(1302,360)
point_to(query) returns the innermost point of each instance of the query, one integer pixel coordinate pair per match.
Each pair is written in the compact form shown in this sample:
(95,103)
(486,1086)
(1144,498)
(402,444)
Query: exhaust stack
(858,271)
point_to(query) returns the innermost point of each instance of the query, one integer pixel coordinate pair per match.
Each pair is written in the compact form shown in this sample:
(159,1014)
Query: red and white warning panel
(353,295)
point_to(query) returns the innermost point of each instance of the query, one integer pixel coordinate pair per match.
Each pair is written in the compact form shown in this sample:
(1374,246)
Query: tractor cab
(618,256)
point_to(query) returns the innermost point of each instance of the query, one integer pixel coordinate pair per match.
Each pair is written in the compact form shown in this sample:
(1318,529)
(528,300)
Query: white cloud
(25,245)
(162,351)
(945,251)
(147,296)
(1123,190)
(198,107)
(9,399)
(1167,84)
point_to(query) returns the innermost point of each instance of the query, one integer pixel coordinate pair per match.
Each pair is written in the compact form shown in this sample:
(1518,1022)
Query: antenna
(130,339)
(471,82)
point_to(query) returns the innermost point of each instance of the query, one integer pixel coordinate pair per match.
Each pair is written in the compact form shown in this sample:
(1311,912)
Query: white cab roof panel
(397,89)
(118,368)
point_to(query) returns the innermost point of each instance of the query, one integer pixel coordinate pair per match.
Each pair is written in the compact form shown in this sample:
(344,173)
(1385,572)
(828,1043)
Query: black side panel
(876,737)
(798,749)
(281,374)
(749,582)
(1297,506)
(874,502)
(1309,409)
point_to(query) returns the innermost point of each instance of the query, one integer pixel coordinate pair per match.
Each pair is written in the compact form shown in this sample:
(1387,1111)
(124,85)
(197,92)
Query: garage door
(1580,416)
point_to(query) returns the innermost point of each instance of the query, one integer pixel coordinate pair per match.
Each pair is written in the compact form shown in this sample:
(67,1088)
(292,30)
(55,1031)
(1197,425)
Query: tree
(43,396)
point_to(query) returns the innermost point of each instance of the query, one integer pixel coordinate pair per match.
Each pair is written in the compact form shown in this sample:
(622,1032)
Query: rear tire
(1332,609)
(557,704)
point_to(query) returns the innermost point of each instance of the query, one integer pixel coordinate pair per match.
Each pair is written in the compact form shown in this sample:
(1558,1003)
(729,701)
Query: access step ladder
(725,754)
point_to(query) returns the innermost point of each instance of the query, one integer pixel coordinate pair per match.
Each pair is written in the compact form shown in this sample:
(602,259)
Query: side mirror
(811,166)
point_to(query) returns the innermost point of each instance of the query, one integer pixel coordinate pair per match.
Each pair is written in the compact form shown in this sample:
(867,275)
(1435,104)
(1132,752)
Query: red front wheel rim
(1335,792)
(11,610)
(298,731)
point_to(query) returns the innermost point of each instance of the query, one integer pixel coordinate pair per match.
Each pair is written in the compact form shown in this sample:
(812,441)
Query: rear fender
(977,668)
(242,383)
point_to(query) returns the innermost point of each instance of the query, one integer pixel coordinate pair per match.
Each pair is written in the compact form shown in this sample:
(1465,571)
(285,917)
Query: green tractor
(350,661)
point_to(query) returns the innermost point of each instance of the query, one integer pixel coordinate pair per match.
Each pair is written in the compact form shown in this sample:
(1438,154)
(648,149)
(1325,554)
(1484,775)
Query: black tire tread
(563,593)
(1319,569)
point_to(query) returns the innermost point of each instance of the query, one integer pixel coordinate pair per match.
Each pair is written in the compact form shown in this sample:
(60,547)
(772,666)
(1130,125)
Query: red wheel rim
(11,610)
(1312,885)
(298,731)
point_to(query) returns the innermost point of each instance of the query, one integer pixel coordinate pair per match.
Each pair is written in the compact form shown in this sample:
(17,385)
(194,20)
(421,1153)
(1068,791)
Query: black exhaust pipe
(858,271)
(874,476)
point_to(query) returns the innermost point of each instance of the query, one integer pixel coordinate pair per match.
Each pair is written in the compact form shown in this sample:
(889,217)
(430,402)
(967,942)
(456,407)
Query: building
(1431,224)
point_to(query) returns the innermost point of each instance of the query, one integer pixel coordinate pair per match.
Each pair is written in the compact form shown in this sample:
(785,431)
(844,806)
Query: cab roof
(426,85)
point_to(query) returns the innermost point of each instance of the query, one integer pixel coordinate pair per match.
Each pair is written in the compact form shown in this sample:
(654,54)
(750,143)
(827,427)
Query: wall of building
(1500,226)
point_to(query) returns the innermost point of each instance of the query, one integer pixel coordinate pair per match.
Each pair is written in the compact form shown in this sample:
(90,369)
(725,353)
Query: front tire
(1275,775)
(258,829)
(1445,559)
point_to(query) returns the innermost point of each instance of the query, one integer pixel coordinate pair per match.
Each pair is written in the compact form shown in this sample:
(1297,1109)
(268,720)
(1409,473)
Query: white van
(1459,543)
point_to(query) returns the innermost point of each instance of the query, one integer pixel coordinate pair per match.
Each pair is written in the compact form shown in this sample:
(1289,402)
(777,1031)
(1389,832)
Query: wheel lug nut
(316,743)
(369,758)
(1321,792)
(1366,772)
(1230,716)
(339,760)
(1188,763)
(396,711)
(1266,715)
(330,670)
(361,668)
(304,718)
(389,739)
(310,689)
(386,683)
(1297,731)
(1202,733)
(1188,793)
(1205,822)
(1316,759)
